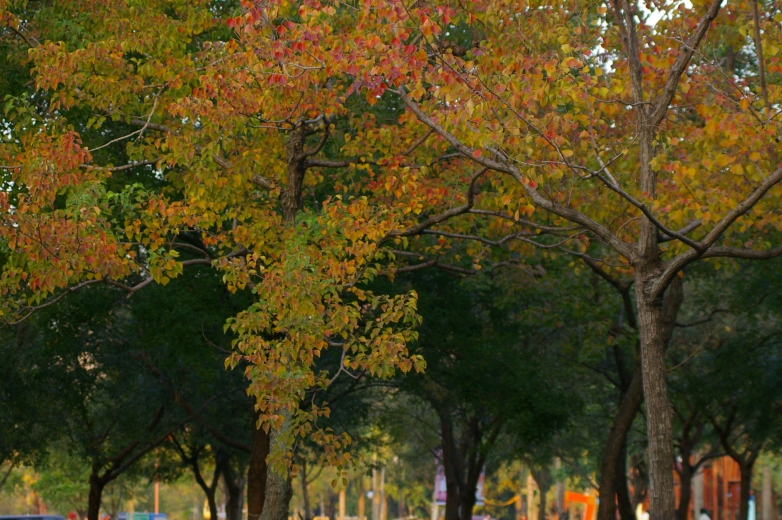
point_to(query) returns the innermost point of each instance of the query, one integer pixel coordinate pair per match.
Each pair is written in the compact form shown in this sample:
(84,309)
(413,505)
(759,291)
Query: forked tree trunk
(685,493)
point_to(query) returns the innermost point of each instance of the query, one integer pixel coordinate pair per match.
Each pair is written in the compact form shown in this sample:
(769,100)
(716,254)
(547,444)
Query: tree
(109,412)
(208,194)
(593,130)
(721,399)
(584,112)
(489,374)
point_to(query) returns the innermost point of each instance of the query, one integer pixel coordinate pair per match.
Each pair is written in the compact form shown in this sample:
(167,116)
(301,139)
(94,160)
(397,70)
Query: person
(704,514)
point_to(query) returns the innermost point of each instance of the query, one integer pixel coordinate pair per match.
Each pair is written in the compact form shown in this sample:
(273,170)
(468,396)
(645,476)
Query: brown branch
(702,320)
(500,214)
(335,164)
(418,142)
(621,286)
(29,40)
(680,65)
(321,143)
(6,475)
(258,180)
(749,254)
(217,434)
(705,245)
(761,61)
(31,309)
(419,228)
(123,167)
(568,213)
(683,231)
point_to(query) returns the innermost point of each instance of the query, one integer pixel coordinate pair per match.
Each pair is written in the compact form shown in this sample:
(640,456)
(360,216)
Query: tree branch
(568,213)
(680,65)
(702,320)
(419,228)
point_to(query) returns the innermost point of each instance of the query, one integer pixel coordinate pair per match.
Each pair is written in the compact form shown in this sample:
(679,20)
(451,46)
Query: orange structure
(721,489)
(580,498)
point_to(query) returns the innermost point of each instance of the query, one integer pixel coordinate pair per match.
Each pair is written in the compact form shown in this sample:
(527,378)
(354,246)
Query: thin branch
(680,65)
(568,213)
(500,214)
(418,142)
(702,320)
(31,309)
(761,61)
(321,143)
(6,475)
(705,245)
(419,228)
(683,231)
(123,167)
(335,164)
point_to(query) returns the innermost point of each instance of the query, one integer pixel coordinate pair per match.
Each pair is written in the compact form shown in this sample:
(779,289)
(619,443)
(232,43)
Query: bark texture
(256,473)
(291,197)
(542,478)
(94,498)
(656,322)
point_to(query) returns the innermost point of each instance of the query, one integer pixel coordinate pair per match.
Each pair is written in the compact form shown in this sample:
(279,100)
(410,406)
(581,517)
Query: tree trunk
(235,488)
(685,476)
(361,503)
(93,501)
(543,480)
(746,487)
(291,198)
(278,497)
(256,472)
(305,492)
(466,503)
(625,504)
(656,321)
(658,407)
(613,451)
(278,484)
(450,465)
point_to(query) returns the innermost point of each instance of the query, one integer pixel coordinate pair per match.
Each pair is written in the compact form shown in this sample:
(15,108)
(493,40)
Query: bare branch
(549,229)
(31,309)
(335,164)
